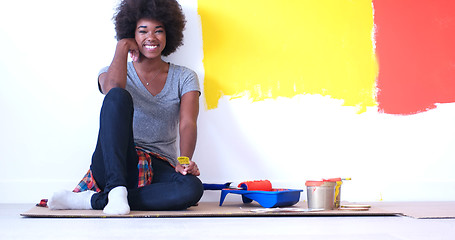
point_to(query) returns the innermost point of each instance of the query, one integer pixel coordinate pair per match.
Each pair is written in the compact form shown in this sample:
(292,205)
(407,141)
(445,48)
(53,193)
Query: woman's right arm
(116,74)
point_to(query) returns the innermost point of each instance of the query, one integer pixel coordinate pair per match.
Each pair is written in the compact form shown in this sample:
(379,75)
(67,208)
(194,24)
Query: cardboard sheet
(420,209)
(210,209)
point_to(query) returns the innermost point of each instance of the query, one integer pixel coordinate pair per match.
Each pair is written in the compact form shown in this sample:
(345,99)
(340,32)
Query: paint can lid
(332,180)
(313,183)
(322,183)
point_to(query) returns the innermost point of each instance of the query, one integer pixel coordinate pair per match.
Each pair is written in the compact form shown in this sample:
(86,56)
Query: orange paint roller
(257,185)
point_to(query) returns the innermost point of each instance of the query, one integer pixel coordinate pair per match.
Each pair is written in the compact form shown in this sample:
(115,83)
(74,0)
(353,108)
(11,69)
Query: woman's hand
(191,169)
(131,45)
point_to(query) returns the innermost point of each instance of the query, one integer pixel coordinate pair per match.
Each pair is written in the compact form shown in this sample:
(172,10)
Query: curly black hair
(168,12)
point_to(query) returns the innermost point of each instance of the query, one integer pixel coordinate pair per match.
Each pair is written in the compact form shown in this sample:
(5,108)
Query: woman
(147,103)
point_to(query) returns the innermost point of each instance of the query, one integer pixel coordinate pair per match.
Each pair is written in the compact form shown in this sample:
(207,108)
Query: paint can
(320,194)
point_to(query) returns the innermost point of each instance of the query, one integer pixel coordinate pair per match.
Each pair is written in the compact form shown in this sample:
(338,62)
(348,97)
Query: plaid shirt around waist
(145,172)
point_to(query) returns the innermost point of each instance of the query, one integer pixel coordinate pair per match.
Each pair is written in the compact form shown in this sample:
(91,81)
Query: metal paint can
(320,194)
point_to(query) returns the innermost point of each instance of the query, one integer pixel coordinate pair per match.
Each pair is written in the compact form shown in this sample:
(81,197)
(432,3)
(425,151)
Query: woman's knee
(191,191)
(118,97)
(194,185)
(178,195)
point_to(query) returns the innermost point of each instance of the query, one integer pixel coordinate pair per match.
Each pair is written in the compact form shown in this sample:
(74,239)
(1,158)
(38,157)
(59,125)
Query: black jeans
(114,163)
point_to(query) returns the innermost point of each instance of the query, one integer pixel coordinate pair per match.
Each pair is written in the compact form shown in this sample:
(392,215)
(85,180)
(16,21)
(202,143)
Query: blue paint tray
(267,199)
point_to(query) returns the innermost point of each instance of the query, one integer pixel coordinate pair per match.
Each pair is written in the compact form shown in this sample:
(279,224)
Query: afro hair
(168,12)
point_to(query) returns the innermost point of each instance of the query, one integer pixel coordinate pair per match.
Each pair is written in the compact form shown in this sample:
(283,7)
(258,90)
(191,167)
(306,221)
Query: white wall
(52,50)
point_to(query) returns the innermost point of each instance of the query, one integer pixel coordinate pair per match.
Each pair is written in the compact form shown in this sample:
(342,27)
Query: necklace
(156,75)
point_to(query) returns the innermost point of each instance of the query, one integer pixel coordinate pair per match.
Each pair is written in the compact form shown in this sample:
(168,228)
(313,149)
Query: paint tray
(267,199)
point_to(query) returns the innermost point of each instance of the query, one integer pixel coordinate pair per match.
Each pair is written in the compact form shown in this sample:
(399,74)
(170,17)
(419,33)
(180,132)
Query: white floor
(13,226)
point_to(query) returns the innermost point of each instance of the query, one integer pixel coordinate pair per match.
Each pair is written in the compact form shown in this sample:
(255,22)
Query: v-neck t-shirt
(156,118)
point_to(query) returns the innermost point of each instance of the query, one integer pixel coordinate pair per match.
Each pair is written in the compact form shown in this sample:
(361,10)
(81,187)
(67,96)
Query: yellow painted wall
(267,49)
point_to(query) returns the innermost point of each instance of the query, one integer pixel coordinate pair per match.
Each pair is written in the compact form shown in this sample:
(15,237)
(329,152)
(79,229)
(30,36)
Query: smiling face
(150,37)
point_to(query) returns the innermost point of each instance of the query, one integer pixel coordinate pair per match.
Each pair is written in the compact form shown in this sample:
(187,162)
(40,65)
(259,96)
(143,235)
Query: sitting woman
(148,103)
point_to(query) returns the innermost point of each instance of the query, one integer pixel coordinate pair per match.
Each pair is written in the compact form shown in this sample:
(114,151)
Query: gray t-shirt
(156,118)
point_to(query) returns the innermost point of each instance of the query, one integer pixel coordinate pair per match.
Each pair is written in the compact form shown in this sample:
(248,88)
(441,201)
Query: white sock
(70,200)
(117,202)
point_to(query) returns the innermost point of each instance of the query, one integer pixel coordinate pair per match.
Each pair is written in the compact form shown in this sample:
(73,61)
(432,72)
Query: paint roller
(256,185)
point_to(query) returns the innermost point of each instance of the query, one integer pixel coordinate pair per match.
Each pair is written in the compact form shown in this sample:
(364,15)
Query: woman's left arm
(189,111)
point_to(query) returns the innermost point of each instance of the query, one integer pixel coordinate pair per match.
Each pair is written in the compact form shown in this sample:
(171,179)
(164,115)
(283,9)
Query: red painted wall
(415,47)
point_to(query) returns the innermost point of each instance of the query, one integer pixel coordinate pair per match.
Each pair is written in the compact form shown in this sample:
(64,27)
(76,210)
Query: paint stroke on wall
(267,49)
(416,54)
